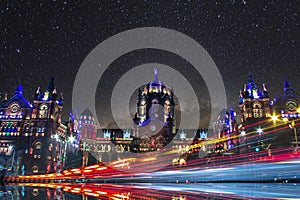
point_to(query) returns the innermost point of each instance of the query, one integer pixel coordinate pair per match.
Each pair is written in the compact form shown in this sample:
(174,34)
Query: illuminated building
(254,103)
(286,110)
(155,118)
(225,123)
(31,135)
(225,126)
(262,122)
(154,128)
(287,104)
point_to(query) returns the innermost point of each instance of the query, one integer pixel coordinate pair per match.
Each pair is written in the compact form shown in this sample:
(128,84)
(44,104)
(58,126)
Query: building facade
(254,103)
(30,133)
(263,122)
(154,128)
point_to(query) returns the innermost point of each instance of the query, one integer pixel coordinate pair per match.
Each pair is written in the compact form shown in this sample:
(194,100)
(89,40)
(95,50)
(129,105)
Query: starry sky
(40,39)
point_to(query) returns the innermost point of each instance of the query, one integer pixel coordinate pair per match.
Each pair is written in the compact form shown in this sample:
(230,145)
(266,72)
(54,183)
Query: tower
(47,105)
(33,132)
(88,131)
(46,130)
(253,102)
(15,113)
(155,100)
(155,117)
(287,104)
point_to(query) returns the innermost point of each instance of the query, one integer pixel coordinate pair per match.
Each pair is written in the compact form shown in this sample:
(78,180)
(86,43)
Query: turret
(265,91)
(61,99)
(37,94)
(287,85)
(19,90)
(253,102)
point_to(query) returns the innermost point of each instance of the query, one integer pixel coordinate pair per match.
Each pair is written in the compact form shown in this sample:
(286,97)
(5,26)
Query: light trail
(113,172)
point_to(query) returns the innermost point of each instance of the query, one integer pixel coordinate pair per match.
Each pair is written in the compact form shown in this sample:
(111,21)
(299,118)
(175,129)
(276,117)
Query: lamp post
(292,126)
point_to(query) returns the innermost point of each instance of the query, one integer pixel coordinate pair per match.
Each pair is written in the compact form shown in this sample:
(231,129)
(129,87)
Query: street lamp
(292,126)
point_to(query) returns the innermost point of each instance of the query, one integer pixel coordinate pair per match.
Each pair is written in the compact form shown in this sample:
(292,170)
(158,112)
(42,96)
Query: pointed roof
(250,89)
(61,99)
(50,87)
(49,94)
(288,94)
(18,97)
(87,113)
(19,89)
(223,114)
(287,85)
(155,80)
(250,79)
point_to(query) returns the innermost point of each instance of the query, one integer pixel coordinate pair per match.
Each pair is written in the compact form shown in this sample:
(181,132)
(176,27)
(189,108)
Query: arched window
(167,107)
(35,169)
(37,150)
(257,110)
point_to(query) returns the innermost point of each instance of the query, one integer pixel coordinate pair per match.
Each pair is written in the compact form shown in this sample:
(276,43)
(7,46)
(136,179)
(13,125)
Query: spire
(250,79)
(61,99)
(251,87)
(38,90)
(54,91)
(19,90)
(241,97)
(287,85)
(232,113)
(37,93)
(155,80)
(51,85)
(264,87)
(265,91)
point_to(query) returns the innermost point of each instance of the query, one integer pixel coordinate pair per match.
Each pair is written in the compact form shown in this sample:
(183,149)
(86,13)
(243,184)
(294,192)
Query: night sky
(43,39)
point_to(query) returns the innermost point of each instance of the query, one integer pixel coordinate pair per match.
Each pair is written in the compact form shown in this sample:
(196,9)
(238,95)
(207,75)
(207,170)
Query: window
(257,110)
(35,169)
(37,150)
